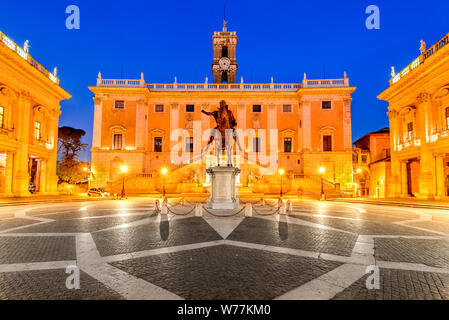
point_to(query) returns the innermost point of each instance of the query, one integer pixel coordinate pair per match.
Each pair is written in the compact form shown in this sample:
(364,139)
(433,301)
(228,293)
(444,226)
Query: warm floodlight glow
(281,171)
(321,170)
(164,171)
(85,169)
(123,169)
(359,170)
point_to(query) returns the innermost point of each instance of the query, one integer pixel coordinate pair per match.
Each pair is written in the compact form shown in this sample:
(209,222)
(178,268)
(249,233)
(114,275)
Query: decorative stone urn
(224,194)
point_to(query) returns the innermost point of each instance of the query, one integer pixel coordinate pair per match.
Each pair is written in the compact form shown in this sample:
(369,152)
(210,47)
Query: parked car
(97,192)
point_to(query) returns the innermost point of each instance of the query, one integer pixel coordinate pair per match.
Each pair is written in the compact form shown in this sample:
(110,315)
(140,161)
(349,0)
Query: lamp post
(123,169)
(281,173)
(164,172)
(323,196)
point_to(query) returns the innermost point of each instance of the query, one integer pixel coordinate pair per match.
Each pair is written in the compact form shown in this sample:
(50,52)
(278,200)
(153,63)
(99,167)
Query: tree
(69,168)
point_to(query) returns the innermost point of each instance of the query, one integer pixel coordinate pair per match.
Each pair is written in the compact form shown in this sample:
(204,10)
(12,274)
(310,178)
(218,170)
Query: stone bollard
(157,206)
(183,201)
(198,210)
(248,210)
(262,201)
(282,208)
(164,209)
(289,206)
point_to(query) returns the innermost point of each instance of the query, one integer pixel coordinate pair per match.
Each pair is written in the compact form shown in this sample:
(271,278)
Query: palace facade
(418,111)
(29,115)
(298,127)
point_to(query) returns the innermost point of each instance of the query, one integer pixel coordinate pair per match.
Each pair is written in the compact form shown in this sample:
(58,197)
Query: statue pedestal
(223,194)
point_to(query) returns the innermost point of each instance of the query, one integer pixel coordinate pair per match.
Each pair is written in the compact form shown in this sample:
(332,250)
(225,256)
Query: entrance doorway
(34,170)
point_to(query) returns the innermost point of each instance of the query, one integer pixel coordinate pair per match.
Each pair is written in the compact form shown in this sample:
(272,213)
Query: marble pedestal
(223,193)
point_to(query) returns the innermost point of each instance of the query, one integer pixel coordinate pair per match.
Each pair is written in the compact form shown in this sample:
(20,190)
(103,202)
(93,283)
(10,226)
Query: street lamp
(281,173)
(321,170)
(123,169)
(164,172)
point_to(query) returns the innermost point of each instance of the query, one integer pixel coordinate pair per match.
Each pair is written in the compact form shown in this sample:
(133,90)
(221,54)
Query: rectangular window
(157,144)
(190,108)
(256,145)
(159,108)
(287,144)
(119,104)
(410,131)
(447,118)
(118,141)
(37,130)
(189,144)
(2,116)
(257,108)
(364,158)
(327,143)
(355,157)
(326,105)
(287,108)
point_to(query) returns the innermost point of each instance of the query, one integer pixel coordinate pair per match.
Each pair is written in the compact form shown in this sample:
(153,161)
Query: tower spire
(225,29)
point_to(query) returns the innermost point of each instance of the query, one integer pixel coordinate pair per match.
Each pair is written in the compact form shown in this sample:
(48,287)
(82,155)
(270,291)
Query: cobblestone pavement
(319,250)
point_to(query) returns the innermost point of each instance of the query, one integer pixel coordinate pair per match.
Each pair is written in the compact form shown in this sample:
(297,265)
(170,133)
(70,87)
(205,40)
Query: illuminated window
(159,108)
(119,104)
(326,105)
(287,108)
(190,108)
(287,144)
(37,130)
(257,108)
(410,131)
(2,116)
(118,141)
(447,118)
(327,143)
(189,144)
(364,158)
(157,144)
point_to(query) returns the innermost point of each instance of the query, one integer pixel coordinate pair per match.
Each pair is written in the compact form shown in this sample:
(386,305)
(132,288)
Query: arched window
(224,77)
(224,52)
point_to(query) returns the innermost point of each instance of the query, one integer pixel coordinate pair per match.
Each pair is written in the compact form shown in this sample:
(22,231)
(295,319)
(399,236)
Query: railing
(224,87)
(421,59)
(24,55)
(332,83)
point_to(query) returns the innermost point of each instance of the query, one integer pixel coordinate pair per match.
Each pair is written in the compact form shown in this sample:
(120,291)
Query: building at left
(30,98)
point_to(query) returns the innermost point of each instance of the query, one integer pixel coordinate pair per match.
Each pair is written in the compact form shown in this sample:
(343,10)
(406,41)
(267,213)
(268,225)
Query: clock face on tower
(224,63)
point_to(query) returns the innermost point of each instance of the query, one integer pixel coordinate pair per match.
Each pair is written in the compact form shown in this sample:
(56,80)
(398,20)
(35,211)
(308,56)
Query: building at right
(418,112)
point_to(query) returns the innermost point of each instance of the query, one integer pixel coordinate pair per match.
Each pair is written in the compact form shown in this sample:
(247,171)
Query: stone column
(141,133)
(174,122)
(21,177)
(9,173)
(307,125)
(439,175)
(51,179)
(347,128)
(403,179)
(96,138)
(395,187)
(426,176)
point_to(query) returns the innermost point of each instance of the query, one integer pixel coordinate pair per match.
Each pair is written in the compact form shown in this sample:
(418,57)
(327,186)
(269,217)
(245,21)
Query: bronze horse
(225,126)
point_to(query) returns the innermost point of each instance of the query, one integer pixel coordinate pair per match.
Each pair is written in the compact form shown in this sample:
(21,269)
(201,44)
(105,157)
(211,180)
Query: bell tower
(224,65)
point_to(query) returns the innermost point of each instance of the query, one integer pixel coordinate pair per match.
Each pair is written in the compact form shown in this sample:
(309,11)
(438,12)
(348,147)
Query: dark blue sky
(282,39)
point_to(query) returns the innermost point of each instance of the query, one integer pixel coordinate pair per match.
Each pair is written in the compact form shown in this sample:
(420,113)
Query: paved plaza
(126,250)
